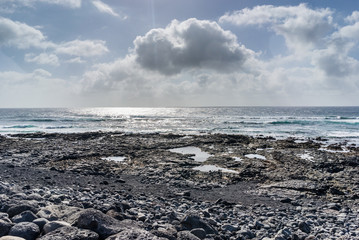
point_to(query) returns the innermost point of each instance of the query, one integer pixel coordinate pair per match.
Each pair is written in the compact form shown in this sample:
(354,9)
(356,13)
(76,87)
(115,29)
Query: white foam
(252,156)
(200,156)
(112,158)
(213,168)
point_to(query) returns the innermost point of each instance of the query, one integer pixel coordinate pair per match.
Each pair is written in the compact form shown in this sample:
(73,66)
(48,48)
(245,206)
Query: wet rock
(26,230)
(70,233)
(192,221)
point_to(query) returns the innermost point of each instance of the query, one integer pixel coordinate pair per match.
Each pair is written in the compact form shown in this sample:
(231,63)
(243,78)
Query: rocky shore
(71,186)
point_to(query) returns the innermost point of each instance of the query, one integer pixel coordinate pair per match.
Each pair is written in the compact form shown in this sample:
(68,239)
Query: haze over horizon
(158,53)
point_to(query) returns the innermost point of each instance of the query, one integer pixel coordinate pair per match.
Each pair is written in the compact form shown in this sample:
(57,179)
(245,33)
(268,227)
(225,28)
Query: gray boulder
(70,233)
(101,223)
(199,232)
(5,227)
(26,230)
(26,216)
(4,216)
(15,210)
(40,222)
(186,235)
(51,226)
(192,221)
(167,231)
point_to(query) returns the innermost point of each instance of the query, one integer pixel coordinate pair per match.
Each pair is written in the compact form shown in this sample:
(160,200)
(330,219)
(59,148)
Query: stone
(199,232)
(122,206)
(26,230)
(192,221)
(229,228)
(5,227)
(284,233)
(70,233)
(51,226)
(101,223)
(246,234)
(116,214)
(40,222)
(11,238)
(167,231)
(134,234)
(26,216)
(186,235)
(3,215)
(304,227)
(15,210)
(58,212)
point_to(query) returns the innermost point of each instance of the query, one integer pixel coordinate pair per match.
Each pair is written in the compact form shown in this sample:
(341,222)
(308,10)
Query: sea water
(333,123)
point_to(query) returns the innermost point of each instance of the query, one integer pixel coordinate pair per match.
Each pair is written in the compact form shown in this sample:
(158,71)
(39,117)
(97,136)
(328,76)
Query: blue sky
(72,53)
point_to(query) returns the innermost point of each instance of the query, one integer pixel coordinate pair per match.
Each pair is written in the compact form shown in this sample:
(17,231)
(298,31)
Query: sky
(161,53)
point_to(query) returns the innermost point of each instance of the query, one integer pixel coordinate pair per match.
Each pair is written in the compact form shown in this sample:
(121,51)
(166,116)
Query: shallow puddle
(210,168)
(116,159)
(255,156)
(200,156)
(238,159)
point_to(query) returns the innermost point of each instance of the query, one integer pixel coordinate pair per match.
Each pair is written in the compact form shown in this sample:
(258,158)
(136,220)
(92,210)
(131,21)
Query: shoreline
(301,181)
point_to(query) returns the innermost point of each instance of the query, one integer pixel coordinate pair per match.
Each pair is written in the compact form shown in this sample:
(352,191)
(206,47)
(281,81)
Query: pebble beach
(116,185)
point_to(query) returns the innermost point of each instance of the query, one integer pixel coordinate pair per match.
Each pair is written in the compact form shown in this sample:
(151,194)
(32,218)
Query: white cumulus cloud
(20,35)
(190,44)
(301,26)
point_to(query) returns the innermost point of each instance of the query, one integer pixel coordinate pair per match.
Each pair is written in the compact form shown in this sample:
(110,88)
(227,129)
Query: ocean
(337,124)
